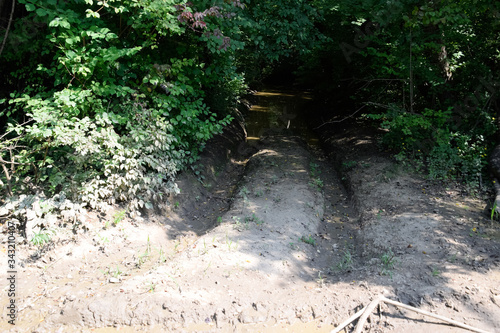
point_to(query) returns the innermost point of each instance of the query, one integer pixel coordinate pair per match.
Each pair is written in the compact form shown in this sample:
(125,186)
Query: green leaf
(41,12)
(30,7)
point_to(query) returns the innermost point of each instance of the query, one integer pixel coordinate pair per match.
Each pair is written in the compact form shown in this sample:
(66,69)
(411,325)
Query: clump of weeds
(388,262)
(308,240)
(238,225)
(143,257)
(253,218)
(317,183)
(345,264)
(44,236)
(117,218)
(314,169)
(314,172)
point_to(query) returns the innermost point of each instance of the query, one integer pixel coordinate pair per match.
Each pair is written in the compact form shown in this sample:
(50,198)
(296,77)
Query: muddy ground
(272,235)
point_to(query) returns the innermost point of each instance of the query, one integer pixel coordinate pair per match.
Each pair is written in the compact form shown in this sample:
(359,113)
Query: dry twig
(365,312)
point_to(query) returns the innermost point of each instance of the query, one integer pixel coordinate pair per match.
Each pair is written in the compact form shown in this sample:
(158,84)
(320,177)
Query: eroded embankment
(427,243)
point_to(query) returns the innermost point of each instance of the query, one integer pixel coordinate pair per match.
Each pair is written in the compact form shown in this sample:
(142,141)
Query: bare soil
(272,236)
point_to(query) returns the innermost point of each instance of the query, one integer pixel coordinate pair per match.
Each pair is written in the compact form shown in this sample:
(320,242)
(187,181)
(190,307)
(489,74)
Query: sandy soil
(272,236)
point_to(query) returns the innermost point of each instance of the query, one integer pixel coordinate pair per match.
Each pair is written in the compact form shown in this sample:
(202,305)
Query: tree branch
(341,120)
(365,312)
(8,26)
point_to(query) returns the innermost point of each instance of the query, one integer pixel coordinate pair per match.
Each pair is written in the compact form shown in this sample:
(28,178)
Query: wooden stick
(369,309)
(365,312)
(427,313)
(348,321)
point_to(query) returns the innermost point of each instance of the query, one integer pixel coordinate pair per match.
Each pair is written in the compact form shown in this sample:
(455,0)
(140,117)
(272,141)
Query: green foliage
(308,240)
(254,218)
(119,216)
(494,212)
(346,262)
(277,30)
(427,140)
(120,96)
(388,263)
(317,183)
(42,237)
(426,72)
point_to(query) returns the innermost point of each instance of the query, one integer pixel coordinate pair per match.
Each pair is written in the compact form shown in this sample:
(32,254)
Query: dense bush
(108,101)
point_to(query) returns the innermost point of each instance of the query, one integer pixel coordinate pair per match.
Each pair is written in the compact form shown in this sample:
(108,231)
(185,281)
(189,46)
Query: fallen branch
(348,321)
(366,311)
(341,120)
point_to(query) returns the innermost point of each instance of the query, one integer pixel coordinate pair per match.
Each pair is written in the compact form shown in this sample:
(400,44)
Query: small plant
(346,262)
(206,269)
(197,173)
(494,213)
(205,248)
(253,218)
(273,164)
(473,231)
(320,280)
(113,273)
(117,272)
(151,287)
(308,240)
(238,225)
(41,238)
(314,169)
(274,179)
(435,272)
(237,221)
(317,182)
(143,257)
(176,205)
(259,193)
(162,257)
(452,258)
(229,243)
(349,165)
(103,239)
(244,192)
(176,245)
(219,219)
(388,262)
(117,217)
